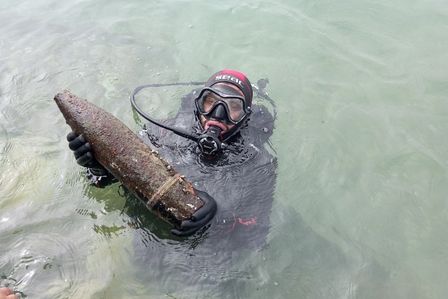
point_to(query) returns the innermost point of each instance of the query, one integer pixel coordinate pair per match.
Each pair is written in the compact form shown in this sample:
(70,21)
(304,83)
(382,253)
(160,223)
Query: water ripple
(42,259)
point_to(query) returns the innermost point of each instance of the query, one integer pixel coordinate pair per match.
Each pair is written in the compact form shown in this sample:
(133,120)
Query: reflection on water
(359,208)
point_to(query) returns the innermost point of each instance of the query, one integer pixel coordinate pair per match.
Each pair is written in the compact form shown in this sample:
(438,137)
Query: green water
(360,208)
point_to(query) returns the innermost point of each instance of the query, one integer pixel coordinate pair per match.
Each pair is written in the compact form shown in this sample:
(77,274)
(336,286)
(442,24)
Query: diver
(218,149)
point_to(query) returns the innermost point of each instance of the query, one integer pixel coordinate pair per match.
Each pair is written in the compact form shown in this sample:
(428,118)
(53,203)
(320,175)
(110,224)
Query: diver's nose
(219,113)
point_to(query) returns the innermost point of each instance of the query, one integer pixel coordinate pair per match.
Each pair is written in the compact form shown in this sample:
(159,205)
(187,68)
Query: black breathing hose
(150,119)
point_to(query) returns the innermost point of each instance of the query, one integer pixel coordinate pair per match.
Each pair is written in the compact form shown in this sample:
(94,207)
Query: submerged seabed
(360,203)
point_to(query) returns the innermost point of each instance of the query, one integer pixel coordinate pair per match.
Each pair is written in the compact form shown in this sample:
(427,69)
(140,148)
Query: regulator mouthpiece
(209,142)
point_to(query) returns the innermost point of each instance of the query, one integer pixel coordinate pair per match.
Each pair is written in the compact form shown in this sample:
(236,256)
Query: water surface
(360,205)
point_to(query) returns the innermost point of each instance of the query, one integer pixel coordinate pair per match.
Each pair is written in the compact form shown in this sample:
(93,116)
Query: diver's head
(224,103)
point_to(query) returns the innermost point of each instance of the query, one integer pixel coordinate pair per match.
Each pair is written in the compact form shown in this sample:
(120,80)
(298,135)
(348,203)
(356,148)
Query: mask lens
(235,107)
(207,102)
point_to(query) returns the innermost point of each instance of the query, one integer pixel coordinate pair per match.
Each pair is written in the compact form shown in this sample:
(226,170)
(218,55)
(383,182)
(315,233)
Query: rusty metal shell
(130,160)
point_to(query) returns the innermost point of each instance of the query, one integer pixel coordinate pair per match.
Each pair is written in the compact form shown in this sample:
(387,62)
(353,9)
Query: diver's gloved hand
(83,155)
(200,218)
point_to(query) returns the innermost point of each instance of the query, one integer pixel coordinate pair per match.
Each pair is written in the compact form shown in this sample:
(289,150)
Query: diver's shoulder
(261,111)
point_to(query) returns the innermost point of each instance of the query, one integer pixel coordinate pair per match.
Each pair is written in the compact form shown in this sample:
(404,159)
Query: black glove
(200,218)
(83,155)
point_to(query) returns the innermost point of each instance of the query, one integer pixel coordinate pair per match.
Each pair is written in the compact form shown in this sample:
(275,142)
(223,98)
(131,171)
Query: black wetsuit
(242,181)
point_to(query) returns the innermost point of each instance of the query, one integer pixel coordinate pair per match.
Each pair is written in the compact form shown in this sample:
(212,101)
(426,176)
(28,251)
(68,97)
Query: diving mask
(211,99)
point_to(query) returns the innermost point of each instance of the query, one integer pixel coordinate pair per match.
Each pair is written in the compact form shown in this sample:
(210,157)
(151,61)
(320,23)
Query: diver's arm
(96,173)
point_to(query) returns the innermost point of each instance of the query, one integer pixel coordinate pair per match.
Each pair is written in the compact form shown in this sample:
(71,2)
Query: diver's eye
(208,103)
(235,106)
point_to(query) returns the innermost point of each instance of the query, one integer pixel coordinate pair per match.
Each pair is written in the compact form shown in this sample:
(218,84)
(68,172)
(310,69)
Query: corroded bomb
(130,160)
